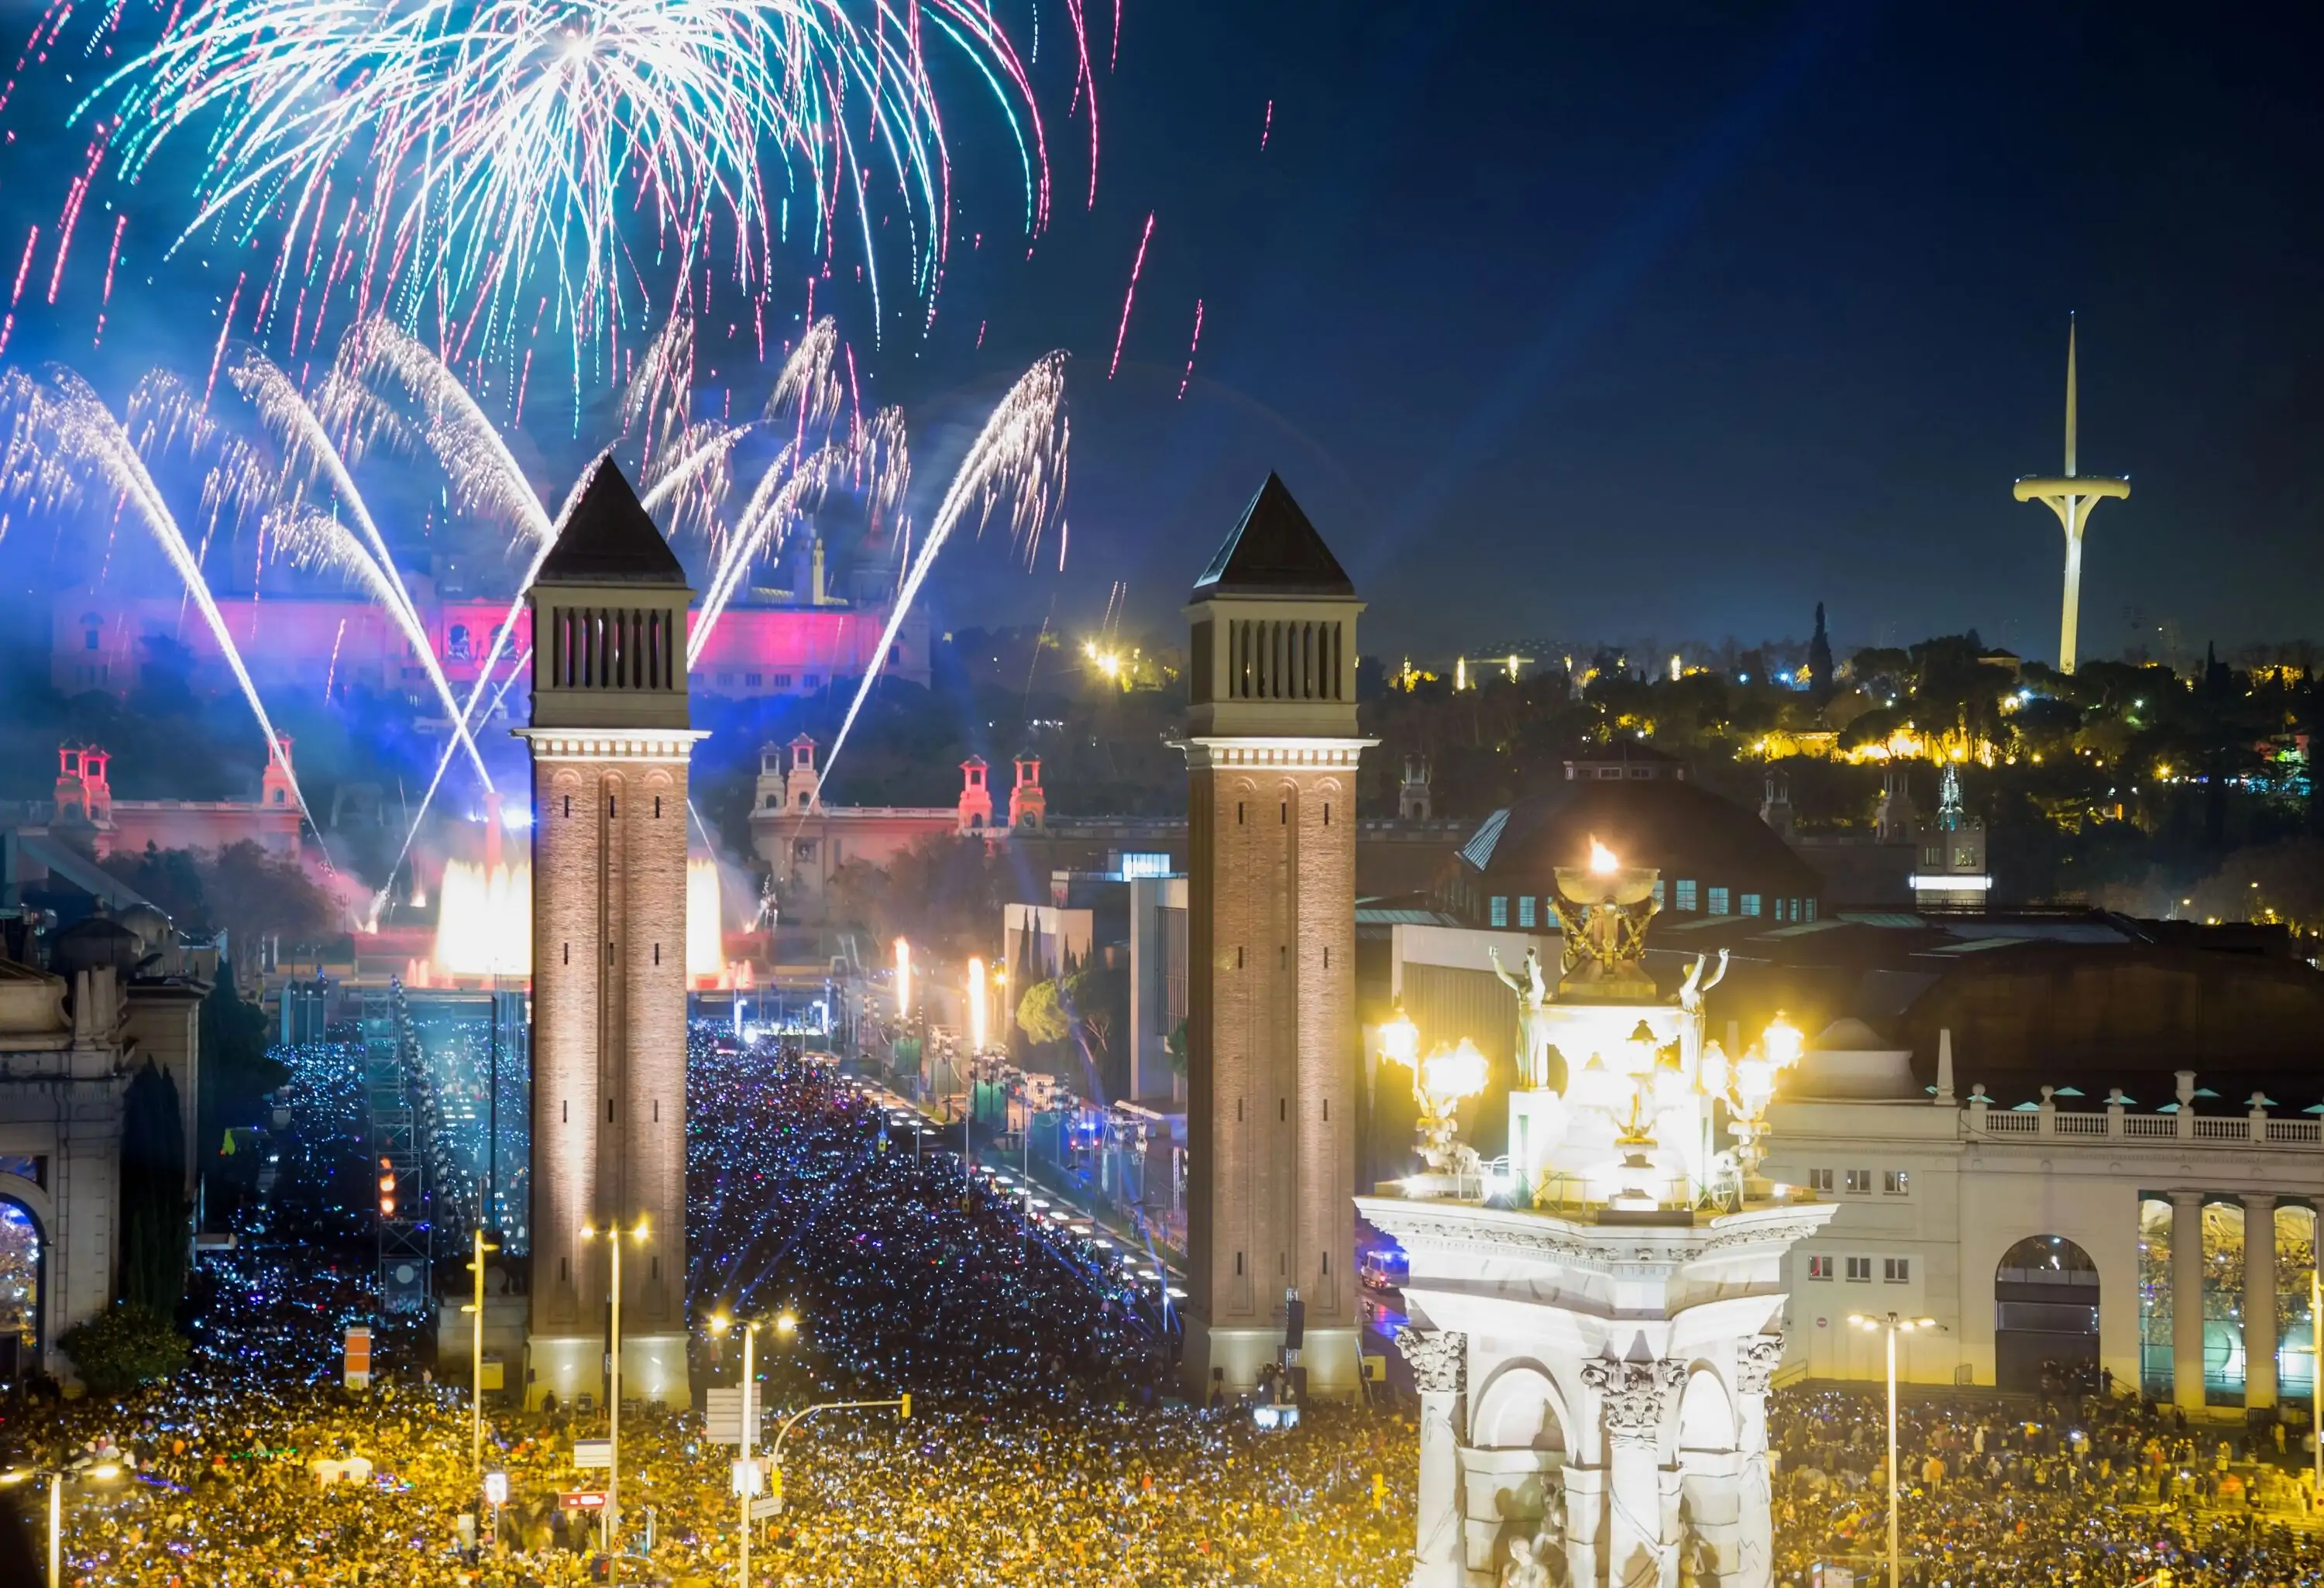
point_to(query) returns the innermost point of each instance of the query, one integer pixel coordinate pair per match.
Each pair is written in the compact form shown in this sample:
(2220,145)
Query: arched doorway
(2045,1310)
(22,1255)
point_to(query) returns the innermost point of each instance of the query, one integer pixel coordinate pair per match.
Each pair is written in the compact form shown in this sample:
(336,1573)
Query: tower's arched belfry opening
(610,741)
(1271,749)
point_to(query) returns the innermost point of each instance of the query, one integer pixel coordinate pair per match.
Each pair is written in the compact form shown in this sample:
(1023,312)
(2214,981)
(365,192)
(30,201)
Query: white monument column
(1755,1365)
(2259,1300)
(2186,1299)
(1439,1362)
(1631,1395)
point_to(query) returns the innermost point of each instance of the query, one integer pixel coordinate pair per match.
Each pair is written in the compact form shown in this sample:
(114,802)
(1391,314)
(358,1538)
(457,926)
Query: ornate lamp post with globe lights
(1439,1084)
(1634,1289)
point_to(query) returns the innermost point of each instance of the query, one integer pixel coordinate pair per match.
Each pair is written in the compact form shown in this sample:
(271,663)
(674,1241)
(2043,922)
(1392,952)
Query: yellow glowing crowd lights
(903,978)
(976,1016)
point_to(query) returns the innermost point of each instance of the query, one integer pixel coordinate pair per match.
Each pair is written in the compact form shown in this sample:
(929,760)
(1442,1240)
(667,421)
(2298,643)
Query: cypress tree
(153,1206)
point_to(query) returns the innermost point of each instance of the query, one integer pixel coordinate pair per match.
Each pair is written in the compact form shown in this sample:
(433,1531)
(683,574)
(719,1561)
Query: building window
(1859,1182)
(1819,1267)
(1500,910)
(1718,901)
(811,681)
(1896,1270)
(1859,1271)
(1658,893)
(1750,904)
(782,680)
(725,680)
(751,681)
(1896,1183)
(1819,1180)
(803,851)
(1965,860)
(1526,910)
(1686,893)
(1811,908)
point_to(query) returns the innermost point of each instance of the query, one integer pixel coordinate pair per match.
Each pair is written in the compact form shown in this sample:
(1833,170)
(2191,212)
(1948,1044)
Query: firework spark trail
(1020,454)
(24,267)
(1267,126)
(482,470)
(1190,349)
(283,407)
(85,427)
(516,672)
(697,474)
(765,519)
(495,144)
(1130,297)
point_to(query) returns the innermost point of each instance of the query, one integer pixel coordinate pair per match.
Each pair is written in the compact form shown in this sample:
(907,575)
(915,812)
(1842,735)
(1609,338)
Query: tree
(124,1347)
(172,880)
(254,895)
(153,1193)
(236,1073)
(1039,1015)
(945,893)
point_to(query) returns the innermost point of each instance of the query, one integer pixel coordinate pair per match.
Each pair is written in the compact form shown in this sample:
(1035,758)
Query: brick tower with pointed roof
(1271,751)
(611,740)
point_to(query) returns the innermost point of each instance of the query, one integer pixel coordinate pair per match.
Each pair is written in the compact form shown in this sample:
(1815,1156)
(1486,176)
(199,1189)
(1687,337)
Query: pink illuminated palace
(100,639)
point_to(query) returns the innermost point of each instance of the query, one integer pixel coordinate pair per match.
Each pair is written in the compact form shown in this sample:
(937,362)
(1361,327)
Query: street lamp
(746,1471)
(101,1471)
(611,1529)
(477,1364)
(1892,1325)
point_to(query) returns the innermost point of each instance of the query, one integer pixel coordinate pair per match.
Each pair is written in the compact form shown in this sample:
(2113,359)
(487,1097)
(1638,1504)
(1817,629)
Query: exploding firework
(502,171)
(62,424)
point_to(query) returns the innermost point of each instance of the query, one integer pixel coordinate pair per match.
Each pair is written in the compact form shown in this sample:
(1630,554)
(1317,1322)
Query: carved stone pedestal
(1592,1391)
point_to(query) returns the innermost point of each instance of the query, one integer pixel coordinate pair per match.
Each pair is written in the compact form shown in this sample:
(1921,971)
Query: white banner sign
(593,1452)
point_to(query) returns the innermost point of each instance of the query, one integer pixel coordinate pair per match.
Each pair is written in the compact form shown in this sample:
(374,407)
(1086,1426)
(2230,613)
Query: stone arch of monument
(1513,1501)
(1520,1407)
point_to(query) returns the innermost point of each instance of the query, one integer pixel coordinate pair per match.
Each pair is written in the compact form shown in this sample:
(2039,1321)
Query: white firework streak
(280,403)
(483,471)
(85,427)
(699,470)
(1020,454)
(808,381)
(766,521)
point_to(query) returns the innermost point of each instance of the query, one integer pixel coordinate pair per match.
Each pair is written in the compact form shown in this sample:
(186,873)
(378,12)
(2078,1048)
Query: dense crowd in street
(1042,1448)
(2079,1489)
(1036,1449)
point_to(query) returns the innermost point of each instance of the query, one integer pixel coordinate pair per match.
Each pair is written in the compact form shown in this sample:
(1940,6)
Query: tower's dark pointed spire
(1274,550)
(605,538)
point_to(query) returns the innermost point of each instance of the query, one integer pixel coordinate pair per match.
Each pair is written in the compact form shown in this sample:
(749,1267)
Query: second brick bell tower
(611,740)
(1271,751)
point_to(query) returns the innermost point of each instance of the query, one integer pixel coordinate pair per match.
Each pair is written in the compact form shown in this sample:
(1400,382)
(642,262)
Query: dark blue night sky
(1569,321)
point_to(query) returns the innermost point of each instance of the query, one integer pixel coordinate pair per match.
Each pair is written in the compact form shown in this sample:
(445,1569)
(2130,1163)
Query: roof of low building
(1687,830)
(606,538)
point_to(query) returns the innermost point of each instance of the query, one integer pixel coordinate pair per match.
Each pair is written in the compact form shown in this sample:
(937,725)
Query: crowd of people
(1045,1445)
(1040,1447)
(2080,1489)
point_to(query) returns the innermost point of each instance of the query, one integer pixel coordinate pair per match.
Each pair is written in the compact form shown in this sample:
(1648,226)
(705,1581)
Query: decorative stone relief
(1756,1362)
(1439,1358)
(1633,1393)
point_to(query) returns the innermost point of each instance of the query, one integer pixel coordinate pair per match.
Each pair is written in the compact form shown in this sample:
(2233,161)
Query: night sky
(1581,321)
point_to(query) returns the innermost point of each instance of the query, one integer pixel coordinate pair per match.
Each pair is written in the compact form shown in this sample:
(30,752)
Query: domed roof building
(1715,858)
